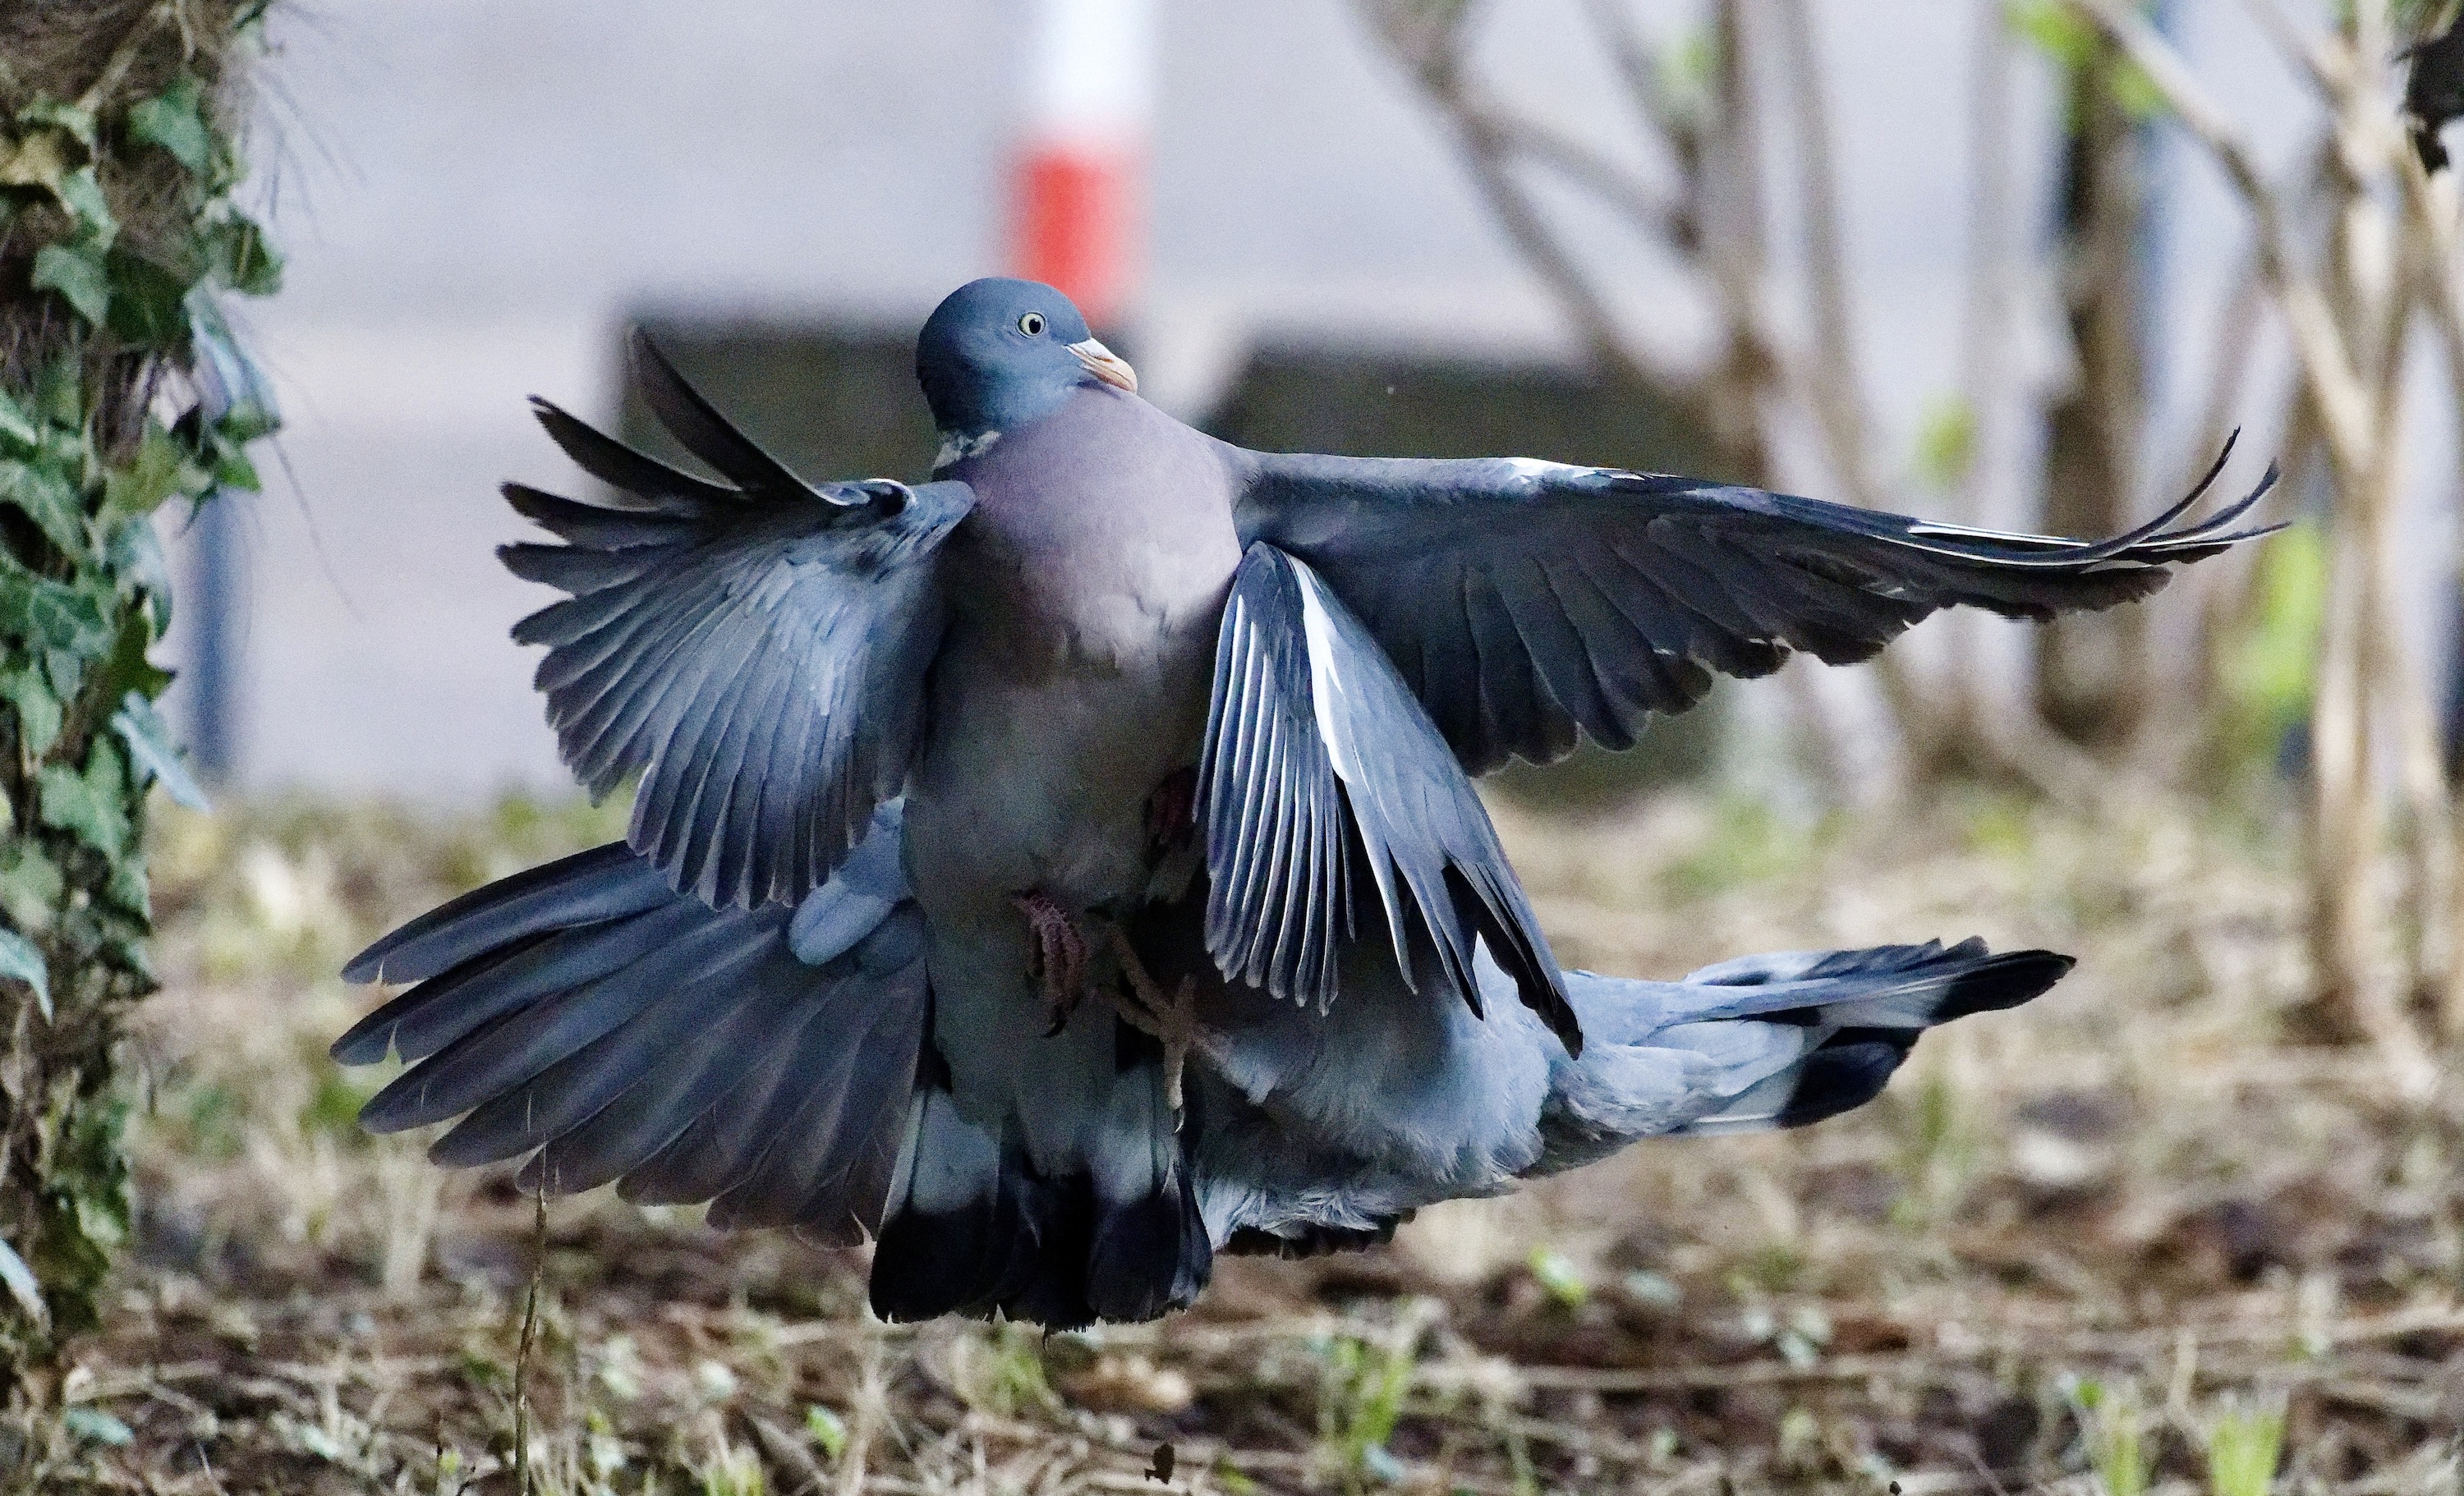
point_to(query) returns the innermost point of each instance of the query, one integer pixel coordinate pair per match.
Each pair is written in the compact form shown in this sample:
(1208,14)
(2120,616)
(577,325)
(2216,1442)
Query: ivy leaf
(38,710)
(76,271)
(233,393)
(20,961)
(147,305)
(136,555)
(47,499)
(77,121)
(30,885)
(82,194)
(59,392)
(87,806)
(16,424)
(37,161)
(242,259)
(232,467)
(128,669)
(174,120)
(151,751)
(158,470)
(51,614)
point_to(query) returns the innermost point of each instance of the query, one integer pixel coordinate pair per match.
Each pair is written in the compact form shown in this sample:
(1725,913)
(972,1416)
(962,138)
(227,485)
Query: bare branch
(1548,256)
(1636,66)
(2328,365)
(1832,372)
(2305,53)
(1652,210)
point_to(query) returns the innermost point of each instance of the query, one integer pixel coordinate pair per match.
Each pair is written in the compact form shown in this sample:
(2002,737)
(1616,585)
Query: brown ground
(2120,1231)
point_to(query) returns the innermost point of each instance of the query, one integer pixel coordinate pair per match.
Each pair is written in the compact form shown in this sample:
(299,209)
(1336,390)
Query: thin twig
(522,1357)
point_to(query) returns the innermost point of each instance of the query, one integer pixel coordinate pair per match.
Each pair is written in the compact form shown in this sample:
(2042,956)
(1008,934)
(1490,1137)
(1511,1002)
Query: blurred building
(477,196)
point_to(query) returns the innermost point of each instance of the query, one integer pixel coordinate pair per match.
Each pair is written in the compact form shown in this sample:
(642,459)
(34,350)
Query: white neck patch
(957,448)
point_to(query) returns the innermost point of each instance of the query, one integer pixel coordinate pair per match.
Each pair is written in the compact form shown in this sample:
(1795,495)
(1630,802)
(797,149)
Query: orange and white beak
(1106,365)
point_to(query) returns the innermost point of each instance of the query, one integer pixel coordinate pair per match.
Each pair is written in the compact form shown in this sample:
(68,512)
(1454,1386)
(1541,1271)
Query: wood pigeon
(1113,710)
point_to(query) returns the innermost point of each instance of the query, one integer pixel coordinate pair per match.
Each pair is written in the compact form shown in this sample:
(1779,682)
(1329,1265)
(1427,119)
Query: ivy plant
(122,393)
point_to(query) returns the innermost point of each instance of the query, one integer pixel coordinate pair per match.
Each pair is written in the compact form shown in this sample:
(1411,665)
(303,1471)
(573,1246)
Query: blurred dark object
(2433,92)
(828,401)
(2092,683)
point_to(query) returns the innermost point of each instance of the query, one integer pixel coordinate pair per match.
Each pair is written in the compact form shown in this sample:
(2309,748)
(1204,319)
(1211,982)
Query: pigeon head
(997,353)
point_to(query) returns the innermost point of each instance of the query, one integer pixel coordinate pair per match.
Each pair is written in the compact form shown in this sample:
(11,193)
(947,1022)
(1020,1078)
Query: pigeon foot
(1172,814)
(1170,1020)
(1059,958)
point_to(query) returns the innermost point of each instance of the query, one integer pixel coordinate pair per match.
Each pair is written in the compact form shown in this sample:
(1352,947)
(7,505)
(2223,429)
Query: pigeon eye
(1031,325)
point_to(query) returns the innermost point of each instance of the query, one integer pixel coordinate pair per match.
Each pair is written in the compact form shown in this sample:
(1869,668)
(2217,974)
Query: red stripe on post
(1075,221)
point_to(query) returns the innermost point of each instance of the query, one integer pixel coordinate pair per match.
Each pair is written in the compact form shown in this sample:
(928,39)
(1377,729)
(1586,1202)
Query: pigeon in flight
(1068,869)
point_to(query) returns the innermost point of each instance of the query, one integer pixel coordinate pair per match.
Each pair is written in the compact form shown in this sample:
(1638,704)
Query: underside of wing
(1323,777)
(1528,604)
(754,650)
(591,1019)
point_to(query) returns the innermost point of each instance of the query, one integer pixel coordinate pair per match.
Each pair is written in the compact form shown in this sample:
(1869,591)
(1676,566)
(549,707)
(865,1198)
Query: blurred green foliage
(2268,680)
(2065,37)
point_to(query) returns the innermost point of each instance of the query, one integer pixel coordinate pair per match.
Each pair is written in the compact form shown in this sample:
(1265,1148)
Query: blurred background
(1289,233)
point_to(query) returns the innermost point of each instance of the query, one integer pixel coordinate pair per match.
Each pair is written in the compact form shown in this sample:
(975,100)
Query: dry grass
(2098,1243)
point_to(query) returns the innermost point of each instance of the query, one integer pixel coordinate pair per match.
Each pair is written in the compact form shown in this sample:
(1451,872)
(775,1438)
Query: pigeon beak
(1106,365)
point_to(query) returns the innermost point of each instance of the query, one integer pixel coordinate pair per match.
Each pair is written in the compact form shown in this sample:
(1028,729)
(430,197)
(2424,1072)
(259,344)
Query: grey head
(998,354)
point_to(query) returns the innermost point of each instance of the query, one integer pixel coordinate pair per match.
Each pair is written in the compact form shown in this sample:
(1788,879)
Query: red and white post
(1076,197)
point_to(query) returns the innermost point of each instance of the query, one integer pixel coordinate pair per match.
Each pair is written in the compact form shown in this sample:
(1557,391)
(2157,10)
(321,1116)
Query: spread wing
(1525,602)
(1322,779)
(756,648)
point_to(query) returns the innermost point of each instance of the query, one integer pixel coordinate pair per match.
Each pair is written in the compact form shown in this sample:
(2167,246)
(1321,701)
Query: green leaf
(30,886)
(129,890)
(1947,442)
(826,1430)
(89,805)
(242,259)
(82,192)
(46,498)
(76,271)
(39,710)
(54,615)
(147,305)
(128,669)
(78,122)
(1559,1277)
(175,121)
(152,751)
(21,962)
(233,469)
(16,424)
(159,468)
(137,559)
(38,157)
(2053,28)
(238,397)
(59,392)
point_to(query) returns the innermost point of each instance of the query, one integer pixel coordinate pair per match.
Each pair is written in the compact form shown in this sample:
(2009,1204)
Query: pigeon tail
(1775,1040)
(975,1230)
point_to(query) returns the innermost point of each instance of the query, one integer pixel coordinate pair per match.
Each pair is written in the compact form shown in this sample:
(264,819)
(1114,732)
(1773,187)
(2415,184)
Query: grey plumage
(1314,753)
(899,747)
(1524,600)
(757,652)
